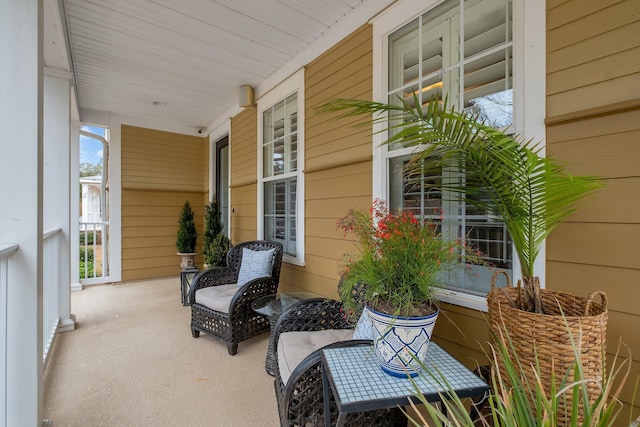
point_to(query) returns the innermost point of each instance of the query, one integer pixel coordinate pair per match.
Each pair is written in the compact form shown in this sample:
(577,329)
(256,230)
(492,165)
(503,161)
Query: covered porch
(169,78)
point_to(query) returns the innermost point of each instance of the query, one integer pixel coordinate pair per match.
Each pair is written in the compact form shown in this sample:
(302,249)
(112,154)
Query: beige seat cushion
(293,347)
(217,298)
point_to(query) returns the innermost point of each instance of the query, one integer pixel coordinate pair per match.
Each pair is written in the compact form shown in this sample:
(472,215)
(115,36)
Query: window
(281,136)
(462,50)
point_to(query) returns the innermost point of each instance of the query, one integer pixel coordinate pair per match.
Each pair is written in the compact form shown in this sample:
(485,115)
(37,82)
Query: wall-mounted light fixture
(245,97)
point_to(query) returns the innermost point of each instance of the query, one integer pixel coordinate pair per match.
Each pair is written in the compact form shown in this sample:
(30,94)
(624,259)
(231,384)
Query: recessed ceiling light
(159,103)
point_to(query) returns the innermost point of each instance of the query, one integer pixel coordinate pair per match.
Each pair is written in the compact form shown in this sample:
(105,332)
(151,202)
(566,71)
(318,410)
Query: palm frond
(505,176)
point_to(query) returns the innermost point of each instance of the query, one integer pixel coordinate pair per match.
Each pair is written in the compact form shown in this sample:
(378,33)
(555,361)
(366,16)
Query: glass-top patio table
(273,306)
(359,384)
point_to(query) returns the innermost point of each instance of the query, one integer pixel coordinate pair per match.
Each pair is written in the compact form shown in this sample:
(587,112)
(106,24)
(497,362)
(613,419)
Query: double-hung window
(280,165)
(461,50)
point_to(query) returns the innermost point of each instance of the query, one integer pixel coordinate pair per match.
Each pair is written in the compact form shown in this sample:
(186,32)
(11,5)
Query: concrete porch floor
(133,362)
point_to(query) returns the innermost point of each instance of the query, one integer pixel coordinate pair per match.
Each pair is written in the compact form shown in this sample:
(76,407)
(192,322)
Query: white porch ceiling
(192,55)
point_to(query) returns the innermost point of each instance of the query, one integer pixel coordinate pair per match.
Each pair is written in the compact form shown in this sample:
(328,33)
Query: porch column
(74,233)
(21,211)
(57,184)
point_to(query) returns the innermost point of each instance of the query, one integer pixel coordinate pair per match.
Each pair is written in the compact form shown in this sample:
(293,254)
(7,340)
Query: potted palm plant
(531,193)
(401,261)
(187,236)
(215,244)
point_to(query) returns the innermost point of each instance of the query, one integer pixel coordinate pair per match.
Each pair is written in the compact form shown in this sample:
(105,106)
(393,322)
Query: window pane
(488,72)
(280,213)
(280,138)
(457,220)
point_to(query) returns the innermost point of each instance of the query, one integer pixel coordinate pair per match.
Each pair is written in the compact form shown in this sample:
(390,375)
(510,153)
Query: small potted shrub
(401,261)
(186,236)
(216,245)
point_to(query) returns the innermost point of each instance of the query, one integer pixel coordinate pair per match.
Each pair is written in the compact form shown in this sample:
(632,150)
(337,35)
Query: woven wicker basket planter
(545,339)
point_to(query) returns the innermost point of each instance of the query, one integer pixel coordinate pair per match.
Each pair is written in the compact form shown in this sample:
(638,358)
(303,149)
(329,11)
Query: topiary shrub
(216,244)
(187,235)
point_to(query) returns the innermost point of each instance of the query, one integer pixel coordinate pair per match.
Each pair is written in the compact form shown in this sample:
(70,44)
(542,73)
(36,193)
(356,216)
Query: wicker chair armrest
(311,315)
(215,276)
(241,302)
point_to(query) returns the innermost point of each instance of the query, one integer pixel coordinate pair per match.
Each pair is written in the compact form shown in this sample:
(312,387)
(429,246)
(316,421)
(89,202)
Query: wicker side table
(272,306)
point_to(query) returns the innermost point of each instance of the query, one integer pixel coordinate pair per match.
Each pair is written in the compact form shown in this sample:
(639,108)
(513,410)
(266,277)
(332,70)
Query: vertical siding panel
(160,170)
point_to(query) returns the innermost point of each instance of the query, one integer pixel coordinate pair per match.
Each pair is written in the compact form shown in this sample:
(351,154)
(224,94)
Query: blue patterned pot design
(401,342)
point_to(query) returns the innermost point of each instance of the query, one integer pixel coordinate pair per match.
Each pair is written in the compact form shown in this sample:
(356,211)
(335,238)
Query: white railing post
(6,250)
(90,233)
(51,287)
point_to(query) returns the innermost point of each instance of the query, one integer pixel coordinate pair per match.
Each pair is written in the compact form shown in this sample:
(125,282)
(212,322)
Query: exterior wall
(244,171)
(337,164)
(160,170)
(337,160)
(593,117)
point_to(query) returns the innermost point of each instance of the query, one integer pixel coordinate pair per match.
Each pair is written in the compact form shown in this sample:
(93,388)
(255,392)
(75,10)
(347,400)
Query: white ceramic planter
(187,259)
(401,342)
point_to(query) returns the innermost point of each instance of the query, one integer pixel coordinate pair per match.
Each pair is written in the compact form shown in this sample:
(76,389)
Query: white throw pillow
(363,328)
(255,264)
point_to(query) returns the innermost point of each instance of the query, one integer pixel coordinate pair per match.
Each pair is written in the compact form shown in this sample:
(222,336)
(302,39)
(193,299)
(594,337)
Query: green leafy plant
(216,245)
(187,234)
(401,259)
(86,262)
(520,403)
(531,193)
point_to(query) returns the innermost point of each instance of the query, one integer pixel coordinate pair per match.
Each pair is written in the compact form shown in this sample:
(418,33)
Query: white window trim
(529,54)
(295,83)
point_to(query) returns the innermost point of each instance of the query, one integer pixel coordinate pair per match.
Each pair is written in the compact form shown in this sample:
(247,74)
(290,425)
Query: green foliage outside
(216,244)
(89,239)
(91,169)
(86,261)
(187,234)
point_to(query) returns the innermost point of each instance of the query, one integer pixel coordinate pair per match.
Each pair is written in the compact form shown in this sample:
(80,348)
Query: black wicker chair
(300,400)
(241,321)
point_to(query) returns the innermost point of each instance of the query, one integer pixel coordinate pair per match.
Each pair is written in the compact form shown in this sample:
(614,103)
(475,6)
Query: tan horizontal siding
(614,155)
(149,227)
(160,170)
(593,56)
(243,146)
(593,97)
(574,21)
(601,71)
(243,213)
(622,193)
(612,245)
(593,112)
(244,174)
(614,42)
(158,160)
(464,333)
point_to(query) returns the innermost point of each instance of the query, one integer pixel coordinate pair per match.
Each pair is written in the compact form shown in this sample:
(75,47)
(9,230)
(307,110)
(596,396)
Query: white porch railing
(51,289)
(6,250)
(94,239)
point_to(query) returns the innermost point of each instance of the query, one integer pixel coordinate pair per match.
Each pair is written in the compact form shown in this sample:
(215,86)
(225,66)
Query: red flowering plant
(402,260)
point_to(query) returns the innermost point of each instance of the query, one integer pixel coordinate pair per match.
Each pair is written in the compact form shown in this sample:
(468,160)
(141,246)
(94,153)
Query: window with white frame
(280,139)
(461,50)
